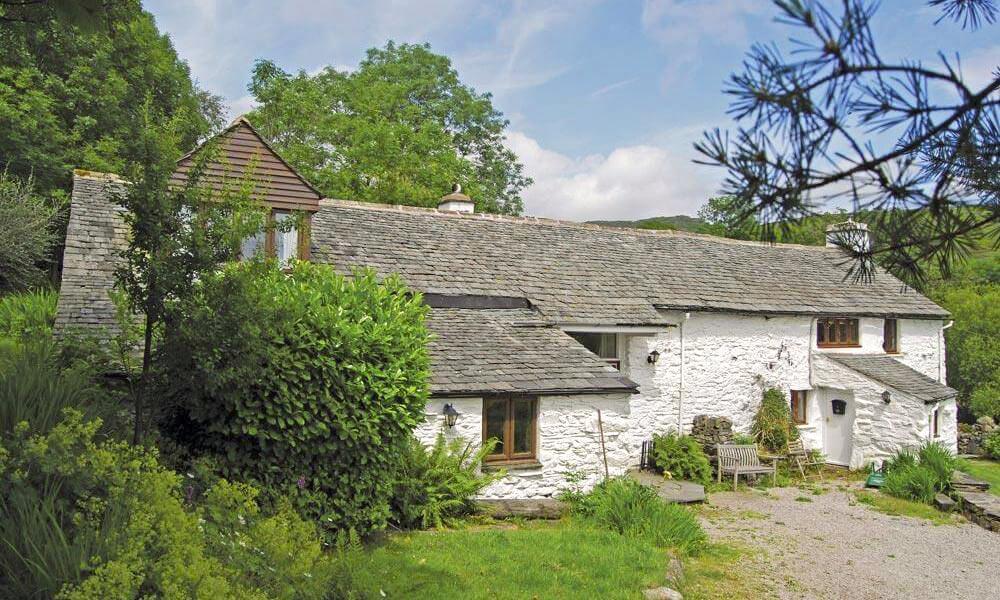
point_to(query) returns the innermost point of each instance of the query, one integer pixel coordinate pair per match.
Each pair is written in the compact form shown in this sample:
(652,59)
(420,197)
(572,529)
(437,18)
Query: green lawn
(981,468)
(563,559)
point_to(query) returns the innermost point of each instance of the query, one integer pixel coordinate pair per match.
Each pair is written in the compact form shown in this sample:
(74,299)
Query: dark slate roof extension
(491,351)
(586,274)
(889,371)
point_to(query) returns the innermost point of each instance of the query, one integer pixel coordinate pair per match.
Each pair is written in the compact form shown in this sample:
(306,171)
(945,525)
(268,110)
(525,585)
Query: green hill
(676,222)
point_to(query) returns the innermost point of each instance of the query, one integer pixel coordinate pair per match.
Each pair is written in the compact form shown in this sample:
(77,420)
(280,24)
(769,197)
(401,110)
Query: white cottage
(570,342)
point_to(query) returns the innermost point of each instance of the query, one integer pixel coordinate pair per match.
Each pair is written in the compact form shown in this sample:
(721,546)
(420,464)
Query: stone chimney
(849,234)
(457,201)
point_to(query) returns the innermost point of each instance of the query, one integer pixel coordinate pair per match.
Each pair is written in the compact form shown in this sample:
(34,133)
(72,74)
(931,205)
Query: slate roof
(889,371)
(586,274)
(487,351)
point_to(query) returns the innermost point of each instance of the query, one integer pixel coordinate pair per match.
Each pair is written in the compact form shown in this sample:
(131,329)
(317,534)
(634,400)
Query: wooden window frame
(303,230)
(508,456)
(799,398)
(616,361)
(890,341)
(825,326)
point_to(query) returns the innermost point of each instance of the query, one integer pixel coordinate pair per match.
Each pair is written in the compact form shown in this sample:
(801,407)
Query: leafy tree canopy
(68,86)
(402,128)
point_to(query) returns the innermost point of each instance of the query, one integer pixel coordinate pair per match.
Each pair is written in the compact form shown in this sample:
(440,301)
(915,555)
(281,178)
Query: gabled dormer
(276,184)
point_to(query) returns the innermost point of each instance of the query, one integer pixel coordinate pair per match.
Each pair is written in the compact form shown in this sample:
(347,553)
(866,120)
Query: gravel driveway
(833,547)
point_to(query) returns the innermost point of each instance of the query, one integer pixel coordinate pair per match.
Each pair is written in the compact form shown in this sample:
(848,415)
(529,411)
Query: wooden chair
(741,459)
(800,455)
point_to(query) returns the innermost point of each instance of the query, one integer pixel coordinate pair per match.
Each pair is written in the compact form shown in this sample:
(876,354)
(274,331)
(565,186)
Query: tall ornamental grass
(634,510)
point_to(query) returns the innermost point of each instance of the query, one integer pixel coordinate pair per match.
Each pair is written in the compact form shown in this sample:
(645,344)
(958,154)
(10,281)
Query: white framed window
(253,245)
(286,243)
(933,423)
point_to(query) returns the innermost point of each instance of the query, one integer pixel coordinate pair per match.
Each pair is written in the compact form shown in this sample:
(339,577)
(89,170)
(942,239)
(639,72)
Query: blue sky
(604,98)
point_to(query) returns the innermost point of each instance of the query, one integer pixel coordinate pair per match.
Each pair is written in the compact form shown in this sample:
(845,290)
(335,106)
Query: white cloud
(630,182)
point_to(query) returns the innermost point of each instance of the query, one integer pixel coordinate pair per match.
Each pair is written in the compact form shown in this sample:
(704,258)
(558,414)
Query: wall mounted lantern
(886,396)
(653,357)
(450,415)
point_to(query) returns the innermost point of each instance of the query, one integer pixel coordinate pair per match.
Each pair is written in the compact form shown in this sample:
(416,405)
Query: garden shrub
(28,315)
(682,457)
(87,520)
(919,476)
(626,506)
(915,483)
(29,229)
(434,485)
(940,462)
(899,461)
(772,426)
(991,444)
(305,382)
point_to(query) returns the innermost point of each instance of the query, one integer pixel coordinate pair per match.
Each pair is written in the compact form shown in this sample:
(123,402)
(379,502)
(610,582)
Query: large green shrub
(772,426)
(635,510)
(28,230)
(438,483)
(305,382)
(88,520)
(682,457)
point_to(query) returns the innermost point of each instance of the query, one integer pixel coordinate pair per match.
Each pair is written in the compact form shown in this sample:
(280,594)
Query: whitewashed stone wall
(880,429)
(728,361)
(569,441)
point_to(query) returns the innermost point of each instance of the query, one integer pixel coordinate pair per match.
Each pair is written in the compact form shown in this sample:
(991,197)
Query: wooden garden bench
(741,459)
(800,455)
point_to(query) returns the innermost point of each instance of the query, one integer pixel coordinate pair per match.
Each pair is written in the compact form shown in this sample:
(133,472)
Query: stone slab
(671,490)
(982,508)
(965,482)
(944,502)
(531,508)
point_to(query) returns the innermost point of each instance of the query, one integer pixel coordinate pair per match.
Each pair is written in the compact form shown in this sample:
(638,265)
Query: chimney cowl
(456,201)
(850,235)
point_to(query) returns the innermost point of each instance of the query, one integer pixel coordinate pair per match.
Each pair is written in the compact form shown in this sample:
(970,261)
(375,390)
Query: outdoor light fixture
(450,415)
(886,396)
(653,357)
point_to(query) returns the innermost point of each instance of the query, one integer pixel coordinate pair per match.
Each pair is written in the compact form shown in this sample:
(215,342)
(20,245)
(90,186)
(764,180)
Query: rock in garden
(662,593)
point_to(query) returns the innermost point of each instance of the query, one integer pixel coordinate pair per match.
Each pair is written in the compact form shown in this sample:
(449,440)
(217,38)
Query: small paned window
(283,245)
(604,345)
(286,243)
(798,406)
(890,336)
(933,423)
(512,422)
(837,333)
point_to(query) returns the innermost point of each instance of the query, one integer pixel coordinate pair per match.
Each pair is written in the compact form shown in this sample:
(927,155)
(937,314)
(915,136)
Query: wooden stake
(604,452)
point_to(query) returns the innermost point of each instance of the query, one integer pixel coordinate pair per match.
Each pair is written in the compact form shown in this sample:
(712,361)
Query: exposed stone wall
(569,441)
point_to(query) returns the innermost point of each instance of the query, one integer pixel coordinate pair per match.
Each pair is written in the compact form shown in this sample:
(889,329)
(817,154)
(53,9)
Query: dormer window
(604,345)
(283,245)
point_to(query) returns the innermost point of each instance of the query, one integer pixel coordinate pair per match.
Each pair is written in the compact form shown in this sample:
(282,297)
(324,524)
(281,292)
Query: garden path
(828,545)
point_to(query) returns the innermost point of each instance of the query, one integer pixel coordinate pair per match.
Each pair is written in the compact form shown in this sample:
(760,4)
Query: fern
(434,485)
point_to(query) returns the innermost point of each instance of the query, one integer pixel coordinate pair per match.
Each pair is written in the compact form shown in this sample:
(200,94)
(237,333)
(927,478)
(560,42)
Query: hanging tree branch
(914,145)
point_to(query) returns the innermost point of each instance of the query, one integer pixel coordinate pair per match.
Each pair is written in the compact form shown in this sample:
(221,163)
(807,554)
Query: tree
(836,122)
(402,128)
(178,234)
(28,227)
(67,89)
